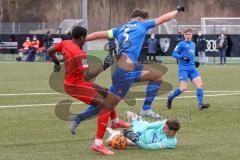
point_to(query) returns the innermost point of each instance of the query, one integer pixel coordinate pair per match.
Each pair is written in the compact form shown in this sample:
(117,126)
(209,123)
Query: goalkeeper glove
(197,64)
(108,61)
(130,135)
(180,8)
(185,59)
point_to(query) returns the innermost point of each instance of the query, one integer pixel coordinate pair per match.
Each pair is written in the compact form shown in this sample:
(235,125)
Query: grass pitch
(30,130)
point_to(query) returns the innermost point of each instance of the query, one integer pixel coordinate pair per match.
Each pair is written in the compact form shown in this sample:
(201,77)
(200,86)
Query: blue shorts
(183,75)
(122,80)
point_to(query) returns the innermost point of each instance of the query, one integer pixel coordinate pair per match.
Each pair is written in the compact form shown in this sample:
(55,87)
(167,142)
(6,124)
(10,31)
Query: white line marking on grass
(215,91)
(26,94)
(55,93)
(138,99)
(185,97)
(35,105)
(4,62)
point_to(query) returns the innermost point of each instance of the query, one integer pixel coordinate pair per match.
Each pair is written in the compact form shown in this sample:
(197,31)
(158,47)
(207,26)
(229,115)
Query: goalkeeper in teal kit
(150,135)
(185,53)
(156,135)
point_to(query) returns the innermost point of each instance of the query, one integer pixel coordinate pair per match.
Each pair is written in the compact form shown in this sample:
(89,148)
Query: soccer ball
(119,142)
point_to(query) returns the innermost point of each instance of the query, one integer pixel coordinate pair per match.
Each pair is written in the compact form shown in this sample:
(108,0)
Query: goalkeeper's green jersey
(151,135)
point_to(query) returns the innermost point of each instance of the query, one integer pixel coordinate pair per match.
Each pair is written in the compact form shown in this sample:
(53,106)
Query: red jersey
(26,45)
(35,44)
(75,60)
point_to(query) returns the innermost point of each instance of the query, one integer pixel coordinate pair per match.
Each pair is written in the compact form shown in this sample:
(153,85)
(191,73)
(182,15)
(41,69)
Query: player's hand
(185,59)
(197,64)
(180,8)
(57,67)
(108,61)
(130,135)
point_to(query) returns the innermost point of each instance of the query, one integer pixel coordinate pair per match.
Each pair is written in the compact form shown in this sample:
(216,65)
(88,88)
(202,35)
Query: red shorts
(83,91)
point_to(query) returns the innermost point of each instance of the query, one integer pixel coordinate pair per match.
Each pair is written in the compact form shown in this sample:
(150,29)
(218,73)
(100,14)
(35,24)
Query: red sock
(102,122)
(113,115)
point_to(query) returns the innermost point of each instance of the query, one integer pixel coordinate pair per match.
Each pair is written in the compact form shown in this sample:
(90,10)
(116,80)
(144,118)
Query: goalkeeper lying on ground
(155,135)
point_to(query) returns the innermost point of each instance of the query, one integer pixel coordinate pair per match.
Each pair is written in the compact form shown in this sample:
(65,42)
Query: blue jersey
(185,49)
(130,37)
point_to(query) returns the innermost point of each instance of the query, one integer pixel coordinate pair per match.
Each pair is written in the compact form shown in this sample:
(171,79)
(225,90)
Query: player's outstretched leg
(102,125)
(90,91)
(106,110)
(154,77)
(177,92)
(91,111)
(200,93)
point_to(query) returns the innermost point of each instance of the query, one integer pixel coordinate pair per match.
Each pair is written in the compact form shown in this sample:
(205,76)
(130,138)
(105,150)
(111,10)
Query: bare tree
(73,9)
(1,11)
(60,9)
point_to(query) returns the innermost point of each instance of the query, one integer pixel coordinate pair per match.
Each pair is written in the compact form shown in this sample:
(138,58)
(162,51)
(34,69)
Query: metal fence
(216,25)
(27,28)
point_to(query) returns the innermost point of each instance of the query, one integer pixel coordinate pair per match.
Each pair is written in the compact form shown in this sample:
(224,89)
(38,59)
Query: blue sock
(152,90)
(176,93)
(200,96)
(88,113)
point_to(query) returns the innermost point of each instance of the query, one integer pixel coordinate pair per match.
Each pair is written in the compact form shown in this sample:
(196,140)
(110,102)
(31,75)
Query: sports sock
(88,113)
(98,142)
(113,116)
(176,93)
(152,90)
(116,120)
(200,96)
(102,122)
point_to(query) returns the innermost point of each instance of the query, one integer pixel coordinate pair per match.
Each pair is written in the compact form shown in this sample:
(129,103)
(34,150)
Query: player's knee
(109,106)
(200,85)
(158,78)
(183,88)
(103,92)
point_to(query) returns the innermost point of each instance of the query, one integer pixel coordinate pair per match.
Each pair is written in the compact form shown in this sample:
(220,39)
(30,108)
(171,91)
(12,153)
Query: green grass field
(30,130)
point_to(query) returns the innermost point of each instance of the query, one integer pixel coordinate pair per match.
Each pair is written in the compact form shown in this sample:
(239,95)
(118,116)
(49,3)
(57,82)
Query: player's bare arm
(97,35)
(168,16)
(51,52)
(57,66)
(92,74)
(107,62)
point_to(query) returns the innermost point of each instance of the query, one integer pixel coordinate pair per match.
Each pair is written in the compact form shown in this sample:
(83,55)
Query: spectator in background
(201,47)
(26,45)
(222,46)
(143,56)
(23,51)
(47,40)
(180,37)
(33,49)
(47,43)
(67,35)
(152,48)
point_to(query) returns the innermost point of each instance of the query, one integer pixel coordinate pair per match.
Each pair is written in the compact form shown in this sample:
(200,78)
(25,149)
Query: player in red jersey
(78,85)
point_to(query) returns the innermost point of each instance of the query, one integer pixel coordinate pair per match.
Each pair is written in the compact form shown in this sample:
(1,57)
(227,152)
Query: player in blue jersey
(130,37)
(185,53)
(149,135)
